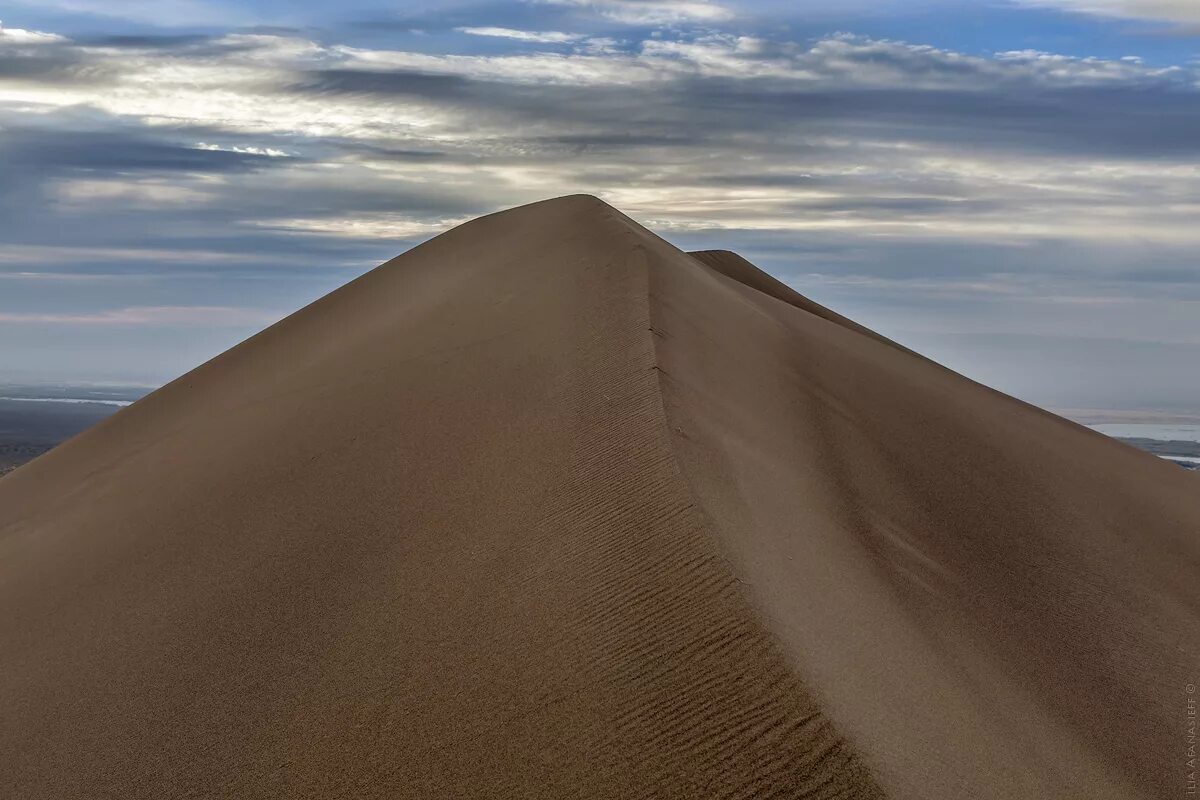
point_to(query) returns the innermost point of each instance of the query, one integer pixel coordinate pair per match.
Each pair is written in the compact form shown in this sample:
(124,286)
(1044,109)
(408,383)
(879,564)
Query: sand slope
(547,508)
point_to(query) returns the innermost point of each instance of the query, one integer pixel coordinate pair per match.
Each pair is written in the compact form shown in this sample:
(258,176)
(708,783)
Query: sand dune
(548,508)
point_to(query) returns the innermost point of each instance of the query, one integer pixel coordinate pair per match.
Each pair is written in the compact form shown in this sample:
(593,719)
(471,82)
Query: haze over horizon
(1007,187)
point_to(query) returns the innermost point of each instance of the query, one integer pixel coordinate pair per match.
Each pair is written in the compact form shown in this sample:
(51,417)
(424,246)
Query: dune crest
(547,508)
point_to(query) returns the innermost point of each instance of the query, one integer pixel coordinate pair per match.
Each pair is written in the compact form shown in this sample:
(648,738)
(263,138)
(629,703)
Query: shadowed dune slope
(991,601)
(734,266)
(548,508)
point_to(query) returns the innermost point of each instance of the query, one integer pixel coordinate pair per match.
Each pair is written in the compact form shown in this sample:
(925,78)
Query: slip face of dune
(993,601)
(426,538)
(548,508)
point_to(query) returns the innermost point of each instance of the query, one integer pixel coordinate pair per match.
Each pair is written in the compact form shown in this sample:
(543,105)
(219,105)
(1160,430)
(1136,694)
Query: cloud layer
(1180,11)
(931,192)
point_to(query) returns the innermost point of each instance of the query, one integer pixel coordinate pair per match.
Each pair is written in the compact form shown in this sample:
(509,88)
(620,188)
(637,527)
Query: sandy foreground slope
(548,508)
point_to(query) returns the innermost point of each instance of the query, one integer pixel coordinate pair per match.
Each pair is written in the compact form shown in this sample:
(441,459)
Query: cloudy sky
(1010,186)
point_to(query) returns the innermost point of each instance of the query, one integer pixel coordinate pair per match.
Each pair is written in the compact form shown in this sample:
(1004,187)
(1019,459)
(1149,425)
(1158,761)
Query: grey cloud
(1134,122)
(765,179)
(1183,12)
(520,14)
(381,153)
(1123,121)
(148,41)
(615,141)
(374,82)
(53,65)
(51,151)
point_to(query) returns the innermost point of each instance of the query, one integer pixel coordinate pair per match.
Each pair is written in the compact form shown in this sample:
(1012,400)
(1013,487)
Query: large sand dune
(548,508)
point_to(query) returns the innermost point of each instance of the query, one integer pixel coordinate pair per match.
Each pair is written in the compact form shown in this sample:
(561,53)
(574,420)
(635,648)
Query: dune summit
(546,507)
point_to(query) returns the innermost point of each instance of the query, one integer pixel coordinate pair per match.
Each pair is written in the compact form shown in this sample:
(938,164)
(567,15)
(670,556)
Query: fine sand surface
(546,508)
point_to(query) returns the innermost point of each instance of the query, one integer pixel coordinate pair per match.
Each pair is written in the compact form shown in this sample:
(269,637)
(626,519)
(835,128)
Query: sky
(1009,186)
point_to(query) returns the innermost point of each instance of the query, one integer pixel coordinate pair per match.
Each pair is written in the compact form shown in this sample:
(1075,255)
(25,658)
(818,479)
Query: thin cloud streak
(651,12)
(1184,12)
(541,37)
(153,316)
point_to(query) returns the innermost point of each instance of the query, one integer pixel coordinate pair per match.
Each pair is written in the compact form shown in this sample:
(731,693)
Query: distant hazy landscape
(33,419)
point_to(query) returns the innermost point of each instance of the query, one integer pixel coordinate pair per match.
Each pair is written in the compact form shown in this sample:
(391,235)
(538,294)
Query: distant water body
(1162,431)
(1176,441)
